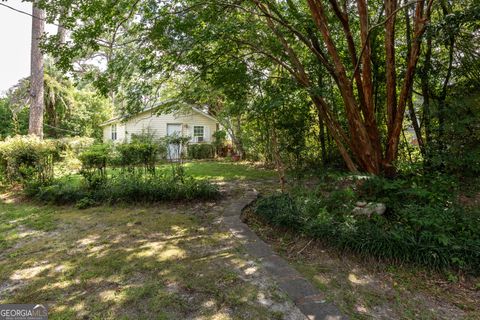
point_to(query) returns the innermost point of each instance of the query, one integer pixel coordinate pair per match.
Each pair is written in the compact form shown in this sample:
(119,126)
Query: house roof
(119,118)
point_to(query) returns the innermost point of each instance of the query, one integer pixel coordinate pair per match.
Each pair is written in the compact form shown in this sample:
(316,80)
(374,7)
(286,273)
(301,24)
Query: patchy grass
(366,289)
(130,263)
(18,221)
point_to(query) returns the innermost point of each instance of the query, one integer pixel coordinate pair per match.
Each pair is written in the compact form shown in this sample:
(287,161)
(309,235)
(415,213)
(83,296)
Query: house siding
(157,125)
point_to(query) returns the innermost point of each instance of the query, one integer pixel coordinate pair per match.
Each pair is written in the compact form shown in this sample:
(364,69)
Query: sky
(15,37)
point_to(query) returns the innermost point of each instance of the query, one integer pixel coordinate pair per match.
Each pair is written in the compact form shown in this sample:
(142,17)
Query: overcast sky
(15,33)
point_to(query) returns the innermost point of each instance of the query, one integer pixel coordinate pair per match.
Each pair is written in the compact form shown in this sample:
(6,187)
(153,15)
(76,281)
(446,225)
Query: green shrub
(27,158)
(457,151)
(96,157)
(59,192)
(430,190)
(201,151)
(142,150)
(152,188)
(219,142)
(94,163)
(69,150)
(74,145)
(125,187)
(85,203)
(339,200)
(420,230)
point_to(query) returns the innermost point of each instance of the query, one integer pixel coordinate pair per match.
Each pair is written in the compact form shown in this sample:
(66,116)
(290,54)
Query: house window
(114,132)
(198,133)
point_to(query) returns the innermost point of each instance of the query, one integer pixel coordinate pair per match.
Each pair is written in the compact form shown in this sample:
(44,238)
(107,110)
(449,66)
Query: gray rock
(360,204)
(379,208)
(369,209)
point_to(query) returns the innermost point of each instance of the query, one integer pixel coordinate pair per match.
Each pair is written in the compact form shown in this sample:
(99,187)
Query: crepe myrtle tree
(304,38)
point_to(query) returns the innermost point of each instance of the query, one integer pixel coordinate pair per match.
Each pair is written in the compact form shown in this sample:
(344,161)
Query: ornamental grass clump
(422,224)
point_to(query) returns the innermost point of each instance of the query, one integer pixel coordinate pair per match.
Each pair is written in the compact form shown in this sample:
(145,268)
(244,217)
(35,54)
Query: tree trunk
(335,132)
(322,139)
(415,125)
(425,73)
(422,15)
(363,140)
(35,125)
(442,104)
(238,138)
(391,75)
(364,149)
(411,107)
(278,158)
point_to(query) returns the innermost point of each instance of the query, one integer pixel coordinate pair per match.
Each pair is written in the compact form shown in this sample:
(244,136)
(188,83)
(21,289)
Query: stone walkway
(305,296)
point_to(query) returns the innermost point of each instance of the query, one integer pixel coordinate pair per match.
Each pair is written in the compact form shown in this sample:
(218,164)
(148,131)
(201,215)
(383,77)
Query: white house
(191,122)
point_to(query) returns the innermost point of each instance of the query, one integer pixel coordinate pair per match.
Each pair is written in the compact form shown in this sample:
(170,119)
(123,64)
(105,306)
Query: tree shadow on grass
(136,264)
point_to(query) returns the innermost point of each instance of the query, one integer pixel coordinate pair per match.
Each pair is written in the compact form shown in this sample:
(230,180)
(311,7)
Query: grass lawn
(222,170)
(212,170)
(162,262)
(227,171)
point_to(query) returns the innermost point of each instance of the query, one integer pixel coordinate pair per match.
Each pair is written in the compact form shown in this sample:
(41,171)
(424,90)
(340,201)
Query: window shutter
(189,131)
(206,133)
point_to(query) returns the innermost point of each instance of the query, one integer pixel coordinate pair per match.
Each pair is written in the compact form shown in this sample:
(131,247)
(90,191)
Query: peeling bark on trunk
(395,129)
(360,143)
(363,140)
(391,75)
(411,107)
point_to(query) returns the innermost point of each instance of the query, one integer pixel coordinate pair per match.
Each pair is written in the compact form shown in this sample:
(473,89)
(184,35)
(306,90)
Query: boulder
(362,208)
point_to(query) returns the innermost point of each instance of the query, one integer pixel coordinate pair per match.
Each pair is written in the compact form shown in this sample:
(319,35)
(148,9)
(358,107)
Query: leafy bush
(457,150)
(219,139)
(59,192)
(94,163)
(429,190)
(96,157)
(143,150)
(74,145)
(69,150)
(85,203)
(125,187)
(201,151)
(27,158)
(422,227)
(136,188)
